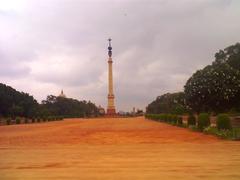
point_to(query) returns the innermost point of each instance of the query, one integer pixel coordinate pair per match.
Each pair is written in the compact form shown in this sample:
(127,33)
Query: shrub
(179,120)
(18,120)
(211,130)
(162,117)
(26,120)
(165,116)
(191,121)
(61,118)
(8,121)
(33,120)
(227,134)
(233,134)
(38,119)
(44,119)
(174,119)
(223,122)
(236,133)
(203,121)
(147,116)
(168,117)
(193,128)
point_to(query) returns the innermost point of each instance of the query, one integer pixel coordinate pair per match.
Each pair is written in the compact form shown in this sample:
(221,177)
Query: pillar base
(111,112)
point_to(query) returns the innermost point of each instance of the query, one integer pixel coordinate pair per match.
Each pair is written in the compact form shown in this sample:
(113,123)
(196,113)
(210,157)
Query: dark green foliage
(18,120)
(203,121)
(216,88)
(26,120)
(230,55)
(179,120)
(44,119)
(59,118)
(236,133)
(223,122)
(191,121)
(168,103)
(8,121)
(170,118)
(14,103)
(67,107)
(164,117)
(174,119)
(153,116)
(213,89)
(232,134)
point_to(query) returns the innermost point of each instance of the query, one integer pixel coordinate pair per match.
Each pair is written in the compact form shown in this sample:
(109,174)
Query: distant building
(101,110)
(62,94)
(134,110)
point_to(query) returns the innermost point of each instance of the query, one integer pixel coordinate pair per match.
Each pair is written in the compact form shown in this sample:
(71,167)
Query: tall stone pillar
(111,108)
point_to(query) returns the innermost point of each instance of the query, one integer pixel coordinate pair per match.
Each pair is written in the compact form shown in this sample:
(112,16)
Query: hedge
(223,122)
(203,121)
(191,121)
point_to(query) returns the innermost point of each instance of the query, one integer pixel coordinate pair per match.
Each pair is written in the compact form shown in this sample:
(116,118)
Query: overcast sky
(49,45)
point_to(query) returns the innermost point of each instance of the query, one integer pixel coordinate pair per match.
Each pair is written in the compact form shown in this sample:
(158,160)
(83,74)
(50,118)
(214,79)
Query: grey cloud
(157,45)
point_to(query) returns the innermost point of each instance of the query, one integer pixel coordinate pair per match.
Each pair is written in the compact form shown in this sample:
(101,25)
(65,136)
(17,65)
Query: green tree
(216,88)
(67,107)
(13,102)
(230,55)
(168,103)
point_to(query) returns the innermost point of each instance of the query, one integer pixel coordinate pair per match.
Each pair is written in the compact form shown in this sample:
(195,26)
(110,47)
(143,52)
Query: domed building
(62,94)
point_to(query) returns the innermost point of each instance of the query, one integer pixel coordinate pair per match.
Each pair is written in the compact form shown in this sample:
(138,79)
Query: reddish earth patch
(114,148)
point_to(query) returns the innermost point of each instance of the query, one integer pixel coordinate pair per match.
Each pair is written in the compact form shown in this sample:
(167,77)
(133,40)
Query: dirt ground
(114,149)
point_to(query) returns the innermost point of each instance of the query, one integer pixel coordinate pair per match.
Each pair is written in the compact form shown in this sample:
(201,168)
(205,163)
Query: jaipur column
(111,108)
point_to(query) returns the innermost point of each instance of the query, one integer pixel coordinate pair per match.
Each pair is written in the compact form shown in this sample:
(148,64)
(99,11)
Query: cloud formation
(46,46)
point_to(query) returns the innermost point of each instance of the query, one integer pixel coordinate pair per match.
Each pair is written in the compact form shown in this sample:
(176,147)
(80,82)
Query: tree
(16,110)
(230,55)
(60,106)
(14,103)
(168,103)
(216,88)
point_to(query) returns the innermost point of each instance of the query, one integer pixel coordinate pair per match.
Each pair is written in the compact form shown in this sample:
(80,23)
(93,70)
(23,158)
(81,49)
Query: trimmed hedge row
(17,120)
(203,121)
(191,121)
(169,118)
(223,124)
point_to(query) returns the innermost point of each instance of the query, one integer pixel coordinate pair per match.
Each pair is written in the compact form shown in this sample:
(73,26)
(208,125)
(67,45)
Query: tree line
(14,103)
(213,89)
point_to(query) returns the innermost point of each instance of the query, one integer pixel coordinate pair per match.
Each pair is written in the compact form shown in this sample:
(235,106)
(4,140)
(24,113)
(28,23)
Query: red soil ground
(114,148)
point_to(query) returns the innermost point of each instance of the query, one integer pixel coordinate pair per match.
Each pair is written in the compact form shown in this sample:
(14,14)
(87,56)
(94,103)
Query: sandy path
(132,148)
